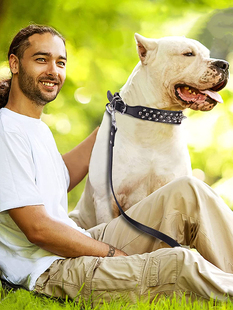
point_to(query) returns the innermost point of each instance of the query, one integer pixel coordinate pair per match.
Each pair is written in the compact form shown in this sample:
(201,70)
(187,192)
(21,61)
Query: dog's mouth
(197,99)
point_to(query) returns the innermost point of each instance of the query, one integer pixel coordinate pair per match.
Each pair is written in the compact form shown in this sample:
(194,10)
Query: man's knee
(179,189)
(186,187)
(187,182)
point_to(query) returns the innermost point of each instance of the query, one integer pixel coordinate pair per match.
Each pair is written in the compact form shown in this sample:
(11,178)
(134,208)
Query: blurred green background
(102,54)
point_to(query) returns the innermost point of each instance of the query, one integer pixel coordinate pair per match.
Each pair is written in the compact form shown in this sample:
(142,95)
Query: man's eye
(40,59)
(62,63)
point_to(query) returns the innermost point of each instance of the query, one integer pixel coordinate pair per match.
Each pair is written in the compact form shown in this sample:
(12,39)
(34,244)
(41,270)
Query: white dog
(174,73)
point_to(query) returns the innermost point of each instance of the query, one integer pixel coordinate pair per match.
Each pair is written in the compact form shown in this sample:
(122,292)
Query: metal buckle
(111,110)
(124,106)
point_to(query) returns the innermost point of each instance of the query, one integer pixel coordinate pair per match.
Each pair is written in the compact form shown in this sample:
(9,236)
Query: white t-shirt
(32,172)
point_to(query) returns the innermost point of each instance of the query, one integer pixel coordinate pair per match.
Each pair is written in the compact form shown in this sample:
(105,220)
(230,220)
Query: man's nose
(52,69)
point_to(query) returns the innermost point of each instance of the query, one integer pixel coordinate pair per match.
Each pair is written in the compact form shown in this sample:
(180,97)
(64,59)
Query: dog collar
(144,113)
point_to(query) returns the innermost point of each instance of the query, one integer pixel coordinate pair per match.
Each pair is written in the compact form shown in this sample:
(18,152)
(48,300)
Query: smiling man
(38,75)
(41,248)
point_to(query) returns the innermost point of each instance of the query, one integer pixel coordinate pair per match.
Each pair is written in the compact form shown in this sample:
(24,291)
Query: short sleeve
(67,175)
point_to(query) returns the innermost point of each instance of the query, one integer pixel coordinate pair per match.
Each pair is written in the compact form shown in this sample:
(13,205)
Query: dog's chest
(138,170)
(132,185)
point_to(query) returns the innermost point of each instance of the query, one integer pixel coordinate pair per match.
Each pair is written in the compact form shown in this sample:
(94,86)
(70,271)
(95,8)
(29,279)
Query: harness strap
(146,229)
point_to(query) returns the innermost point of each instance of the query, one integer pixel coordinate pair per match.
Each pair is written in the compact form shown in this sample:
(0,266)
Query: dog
(174,73)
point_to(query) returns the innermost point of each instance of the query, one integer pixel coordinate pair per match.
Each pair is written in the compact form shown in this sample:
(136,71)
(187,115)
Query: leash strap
(153,232)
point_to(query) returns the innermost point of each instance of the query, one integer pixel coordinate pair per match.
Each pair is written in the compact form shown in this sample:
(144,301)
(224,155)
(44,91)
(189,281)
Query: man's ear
(144,45)
(14,64)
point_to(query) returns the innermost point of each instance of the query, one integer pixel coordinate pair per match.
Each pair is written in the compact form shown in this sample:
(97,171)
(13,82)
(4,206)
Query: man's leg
(187,210)
(162,272)
(128,278)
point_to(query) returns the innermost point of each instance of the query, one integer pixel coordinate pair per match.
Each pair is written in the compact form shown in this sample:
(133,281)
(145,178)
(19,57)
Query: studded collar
(144,113)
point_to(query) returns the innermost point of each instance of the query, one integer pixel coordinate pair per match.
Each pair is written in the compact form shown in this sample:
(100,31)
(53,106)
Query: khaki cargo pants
(185,209)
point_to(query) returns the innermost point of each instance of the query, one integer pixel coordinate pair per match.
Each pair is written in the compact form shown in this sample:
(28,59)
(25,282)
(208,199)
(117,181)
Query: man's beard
(31,91)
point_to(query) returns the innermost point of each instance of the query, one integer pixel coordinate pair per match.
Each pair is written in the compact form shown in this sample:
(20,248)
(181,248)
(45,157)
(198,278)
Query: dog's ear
(143,46)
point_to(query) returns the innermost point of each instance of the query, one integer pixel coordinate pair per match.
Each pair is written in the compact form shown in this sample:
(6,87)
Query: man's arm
(55,236)
(77,160)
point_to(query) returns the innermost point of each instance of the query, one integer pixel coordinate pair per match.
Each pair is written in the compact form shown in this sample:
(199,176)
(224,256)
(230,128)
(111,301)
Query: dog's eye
(189,54)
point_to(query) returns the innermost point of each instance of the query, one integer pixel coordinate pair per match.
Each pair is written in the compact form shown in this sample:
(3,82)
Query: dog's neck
(139,90)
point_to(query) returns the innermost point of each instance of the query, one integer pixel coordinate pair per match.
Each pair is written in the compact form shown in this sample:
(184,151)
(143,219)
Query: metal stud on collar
(170,117)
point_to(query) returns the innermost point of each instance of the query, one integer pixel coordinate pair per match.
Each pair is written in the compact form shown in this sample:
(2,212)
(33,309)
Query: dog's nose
(222,64)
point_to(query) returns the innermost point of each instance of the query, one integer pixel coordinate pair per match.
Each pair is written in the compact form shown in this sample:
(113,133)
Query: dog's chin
(195,99)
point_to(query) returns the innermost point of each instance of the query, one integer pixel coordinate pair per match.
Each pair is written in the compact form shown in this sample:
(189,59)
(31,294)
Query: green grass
(23,300)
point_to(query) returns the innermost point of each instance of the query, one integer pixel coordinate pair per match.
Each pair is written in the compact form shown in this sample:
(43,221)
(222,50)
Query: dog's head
(182,72)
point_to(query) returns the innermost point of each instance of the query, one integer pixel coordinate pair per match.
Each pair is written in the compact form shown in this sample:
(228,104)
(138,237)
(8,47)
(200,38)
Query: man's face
(42,69)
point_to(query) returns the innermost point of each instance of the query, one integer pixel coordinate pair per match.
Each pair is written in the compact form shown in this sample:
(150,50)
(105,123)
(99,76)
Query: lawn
(23,300)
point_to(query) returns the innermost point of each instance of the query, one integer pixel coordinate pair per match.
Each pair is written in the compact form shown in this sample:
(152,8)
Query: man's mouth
(197,99)
(50,84)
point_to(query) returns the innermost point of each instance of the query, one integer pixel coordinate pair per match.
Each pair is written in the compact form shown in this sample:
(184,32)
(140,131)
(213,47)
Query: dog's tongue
(212,94)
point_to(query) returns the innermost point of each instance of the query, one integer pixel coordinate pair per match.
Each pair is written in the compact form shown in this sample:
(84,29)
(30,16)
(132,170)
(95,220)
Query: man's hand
(55,236)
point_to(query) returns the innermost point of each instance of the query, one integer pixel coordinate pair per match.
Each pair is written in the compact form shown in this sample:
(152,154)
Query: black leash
(171,117)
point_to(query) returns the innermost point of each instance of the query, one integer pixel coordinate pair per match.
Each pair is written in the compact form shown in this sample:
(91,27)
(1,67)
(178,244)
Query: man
(41,248)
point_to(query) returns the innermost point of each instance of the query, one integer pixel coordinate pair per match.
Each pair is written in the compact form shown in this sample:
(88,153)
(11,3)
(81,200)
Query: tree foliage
(102,54)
